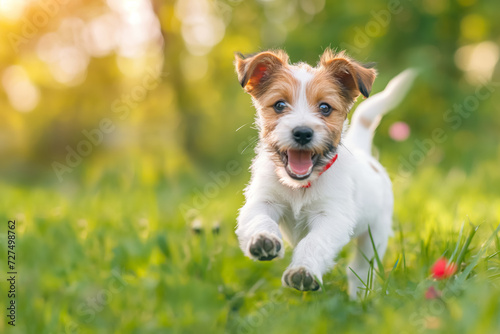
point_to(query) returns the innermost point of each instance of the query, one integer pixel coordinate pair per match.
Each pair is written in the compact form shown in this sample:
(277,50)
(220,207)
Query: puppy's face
(301,109)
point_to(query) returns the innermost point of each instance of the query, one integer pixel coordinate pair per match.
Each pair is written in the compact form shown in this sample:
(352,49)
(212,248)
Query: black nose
(302,134)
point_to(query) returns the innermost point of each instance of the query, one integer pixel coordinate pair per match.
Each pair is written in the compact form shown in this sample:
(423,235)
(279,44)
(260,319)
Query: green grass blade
(492,255)
(389,276)
(401,240)
(463,276)
(320,283)
(380,266)
(457,245)
(466,245)
(355,274)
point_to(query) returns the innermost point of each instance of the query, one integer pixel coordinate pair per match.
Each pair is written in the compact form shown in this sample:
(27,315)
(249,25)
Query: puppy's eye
(279,106)
(325,109)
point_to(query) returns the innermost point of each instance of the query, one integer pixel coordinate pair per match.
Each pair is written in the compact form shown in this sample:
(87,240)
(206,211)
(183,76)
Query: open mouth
(299,164)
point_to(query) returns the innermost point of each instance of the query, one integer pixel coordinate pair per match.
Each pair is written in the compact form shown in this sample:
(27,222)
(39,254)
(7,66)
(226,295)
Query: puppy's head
(301,109)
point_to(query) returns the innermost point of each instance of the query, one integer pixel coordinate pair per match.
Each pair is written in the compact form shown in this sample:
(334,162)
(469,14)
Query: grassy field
(113,254)
(138,103)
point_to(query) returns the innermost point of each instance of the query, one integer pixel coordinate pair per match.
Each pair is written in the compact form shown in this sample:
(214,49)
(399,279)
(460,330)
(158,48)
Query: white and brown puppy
(314,183)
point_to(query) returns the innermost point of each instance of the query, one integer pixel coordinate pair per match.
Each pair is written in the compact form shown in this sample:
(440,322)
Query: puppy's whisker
(250,144)
(342,144)
(238,129)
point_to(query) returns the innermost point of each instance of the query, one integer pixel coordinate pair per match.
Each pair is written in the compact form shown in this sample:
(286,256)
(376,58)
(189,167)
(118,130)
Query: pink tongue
(299,161)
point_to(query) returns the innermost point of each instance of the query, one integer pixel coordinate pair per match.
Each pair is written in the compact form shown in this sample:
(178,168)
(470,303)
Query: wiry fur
(352,195)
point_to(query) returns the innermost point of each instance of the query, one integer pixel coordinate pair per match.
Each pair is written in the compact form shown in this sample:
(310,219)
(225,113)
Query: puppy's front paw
(301,279)
(265,247)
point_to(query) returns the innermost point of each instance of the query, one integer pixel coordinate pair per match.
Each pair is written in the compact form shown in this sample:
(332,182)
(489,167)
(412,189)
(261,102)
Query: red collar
(328,165)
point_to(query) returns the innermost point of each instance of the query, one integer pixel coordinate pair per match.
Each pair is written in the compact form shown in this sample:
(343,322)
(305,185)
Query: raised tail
(368,114)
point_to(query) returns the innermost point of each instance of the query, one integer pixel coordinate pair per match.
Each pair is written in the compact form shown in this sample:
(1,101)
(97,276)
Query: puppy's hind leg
(364,254)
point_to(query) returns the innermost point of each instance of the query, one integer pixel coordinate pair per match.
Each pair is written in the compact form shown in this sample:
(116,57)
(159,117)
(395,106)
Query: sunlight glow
(128,28)
(12,9)
(23,95)
(202,27)
(478,61)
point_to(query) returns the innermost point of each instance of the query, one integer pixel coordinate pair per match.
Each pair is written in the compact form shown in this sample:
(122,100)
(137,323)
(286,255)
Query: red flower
(432,293)
(442,269)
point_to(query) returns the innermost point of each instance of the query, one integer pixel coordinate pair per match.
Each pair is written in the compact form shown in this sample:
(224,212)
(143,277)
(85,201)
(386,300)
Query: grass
(113,254)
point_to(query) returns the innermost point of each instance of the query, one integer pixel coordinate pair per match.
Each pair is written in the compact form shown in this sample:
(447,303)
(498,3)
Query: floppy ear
(255,71)
(353,77)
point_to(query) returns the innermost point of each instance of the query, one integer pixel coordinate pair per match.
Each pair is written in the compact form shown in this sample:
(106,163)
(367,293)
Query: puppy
(314,182)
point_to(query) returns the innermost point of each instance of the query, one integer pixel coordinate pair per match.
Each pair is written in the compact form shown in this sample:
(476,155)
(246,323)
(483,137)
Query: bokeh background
(123,128)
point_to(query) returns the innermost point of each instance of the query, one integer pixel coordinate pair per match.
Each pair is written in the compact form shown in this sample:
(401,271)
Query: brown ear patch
(256,71)
(354,77)
(258,74)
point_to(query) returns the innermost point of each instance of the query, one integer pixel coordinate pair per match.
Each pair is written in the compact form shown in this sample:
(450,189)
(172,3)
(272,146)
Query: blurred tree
(67,66)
